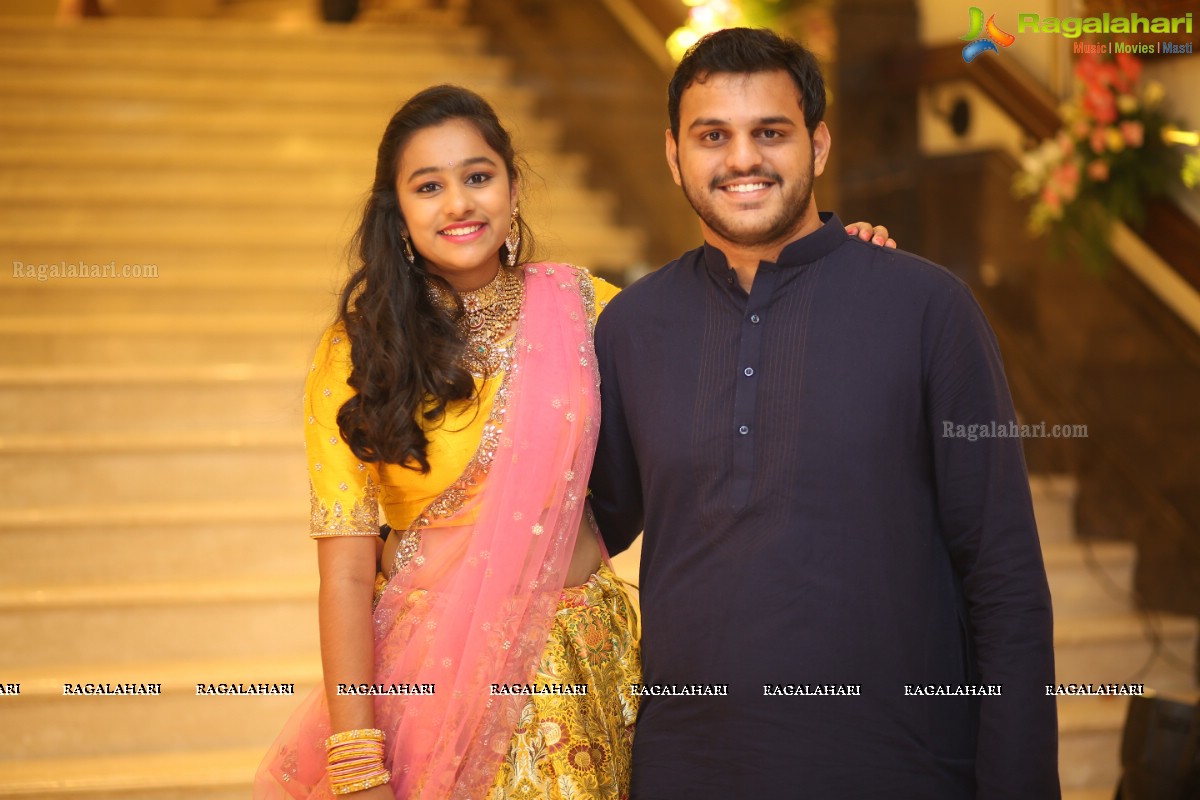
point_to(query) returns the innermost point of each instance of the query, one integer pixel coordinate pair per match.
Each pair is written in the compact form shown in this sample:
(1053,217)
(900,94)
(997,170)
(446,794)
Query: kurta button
(744,430)
(748,371)
(755,318)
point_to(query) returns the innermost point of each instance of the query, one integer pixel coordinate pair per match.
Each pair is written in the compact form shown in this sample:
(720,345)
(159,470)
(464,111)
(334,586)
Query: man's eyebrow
(714,122)
(468,163)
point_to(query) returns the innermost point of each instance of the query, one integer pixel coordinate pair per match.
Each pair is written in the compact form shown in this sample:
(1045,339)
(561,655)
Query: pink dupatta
(476,609)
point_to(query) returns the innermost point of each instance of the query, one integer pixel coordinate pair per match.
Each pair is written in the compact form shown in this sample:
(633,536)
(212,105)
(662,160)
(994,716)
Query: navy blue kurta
(809,522)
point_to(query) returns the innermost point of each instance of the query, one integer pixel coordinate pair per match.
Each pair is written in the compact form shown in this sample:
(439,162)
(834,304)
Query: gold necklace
(488,313)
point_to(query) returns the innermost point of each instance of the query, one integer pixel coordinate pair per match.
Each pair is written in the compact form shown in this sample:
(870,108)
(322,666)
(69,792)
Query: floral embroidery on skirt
(578,747)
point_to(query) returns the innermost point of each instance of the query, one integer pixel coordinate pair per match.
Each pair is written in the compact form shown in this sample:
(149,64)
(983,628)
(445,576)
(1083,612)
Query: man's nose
(743,154)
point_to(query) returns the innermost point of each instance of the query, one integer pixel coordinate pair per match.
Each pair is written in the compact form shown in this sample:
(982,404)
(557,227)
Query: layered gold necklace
(489,314)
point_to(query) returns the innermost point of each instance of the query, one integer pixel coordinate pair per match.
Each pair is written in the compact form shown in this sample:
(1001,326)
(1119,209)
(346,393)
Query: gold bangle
(355,744)
(347,770)
(378,779)
(343,753)
(369,734)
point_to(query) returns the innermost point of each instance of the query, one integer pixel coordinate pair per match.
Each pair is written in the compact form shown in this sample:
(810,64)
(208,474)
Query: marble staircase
(153,515)
(1099,637)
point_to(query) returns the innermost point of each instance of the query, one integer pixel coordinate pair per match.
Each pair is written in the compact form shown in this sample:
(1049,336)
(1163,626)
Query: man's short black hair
(750,50)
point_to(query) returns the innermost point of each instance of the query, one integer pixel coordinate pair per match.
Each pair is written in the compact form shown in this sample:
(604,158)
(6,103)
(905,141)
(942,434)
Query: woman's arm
(347,567)
(345,522)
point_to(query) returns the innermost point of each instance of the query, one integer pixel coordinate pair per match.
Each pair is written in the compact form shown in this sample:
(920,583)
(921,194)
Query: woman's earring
(513,240)
(408,251)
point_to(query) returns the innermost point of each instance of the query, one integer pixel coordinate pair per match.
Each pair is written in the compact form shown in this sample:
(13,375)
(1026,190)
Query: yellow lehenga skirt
(578,747)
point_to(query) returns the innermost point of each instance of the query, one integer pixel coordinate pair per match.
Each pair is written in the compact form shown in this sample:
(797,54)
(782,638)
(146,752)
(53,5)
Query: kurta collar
(813,247)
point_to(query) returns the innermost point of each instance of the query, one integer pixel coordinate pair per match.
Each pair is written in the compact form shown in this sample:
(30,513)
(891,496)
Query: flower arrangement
(1112,154)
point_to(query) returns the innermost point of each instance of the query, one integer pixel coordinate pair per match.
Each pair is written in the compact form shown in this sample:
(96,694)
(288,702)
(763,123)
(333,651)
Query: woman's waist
(601,586)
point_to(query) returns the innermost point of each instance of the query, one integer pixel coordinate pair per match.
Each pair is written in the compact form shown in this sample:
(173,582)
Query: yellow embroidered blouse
(347,493)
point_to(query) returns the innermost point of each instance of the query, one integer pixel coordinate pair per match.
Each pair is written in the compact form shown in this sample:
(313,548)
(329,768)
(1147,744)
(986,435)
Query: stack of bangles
(356,760)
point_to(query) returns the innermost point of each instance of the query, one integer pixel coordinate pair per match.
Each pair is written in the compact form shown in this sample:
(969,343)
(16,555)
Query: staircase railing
(1169,233)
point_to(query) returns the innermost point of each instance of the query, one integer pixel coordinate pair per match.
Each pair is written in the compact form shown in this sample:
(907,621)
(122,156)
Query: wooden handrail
(1169,232)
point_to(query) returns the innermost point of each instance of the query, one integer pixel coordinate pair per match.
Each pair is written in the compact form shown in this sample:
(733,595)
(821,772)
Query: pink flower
(1130,67)
(1086,68)
(1051,199)
(1080,129)
(1097,170)
(1099,104)
(1097,140)
(1133,132)
(1109,75)
(1067,178)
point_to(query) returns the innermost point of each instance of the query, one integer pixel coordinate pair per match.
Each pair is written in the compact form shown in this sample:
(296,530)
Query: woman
(458,390)
(494,655)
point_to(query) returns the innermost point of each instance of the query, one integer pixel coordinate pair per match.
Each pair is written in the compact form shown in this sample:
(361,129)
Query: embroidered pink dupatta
(473,606)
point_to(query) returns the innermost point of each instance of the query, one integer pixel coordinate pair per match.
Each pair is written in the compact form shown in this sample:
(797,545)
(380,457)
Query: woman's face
(457,200)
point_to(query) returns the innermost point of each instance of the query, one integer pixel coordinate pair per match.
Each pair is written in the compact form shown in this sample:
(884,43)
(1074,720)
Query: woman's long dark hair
(404,348)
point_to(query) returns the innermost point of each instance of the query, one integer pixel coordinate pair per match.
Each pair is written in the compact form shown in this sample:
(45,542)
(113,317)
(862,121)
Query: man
(869,589)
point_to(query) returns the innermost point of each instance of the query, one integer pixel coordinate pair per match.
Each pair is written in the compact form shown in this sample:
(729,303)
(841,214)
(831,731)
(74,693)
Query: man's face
(745,160)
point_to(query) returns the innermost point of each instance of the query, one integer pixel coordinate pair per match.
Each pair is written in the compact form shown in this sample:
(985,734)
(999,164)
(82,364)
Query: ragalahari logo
(982,37)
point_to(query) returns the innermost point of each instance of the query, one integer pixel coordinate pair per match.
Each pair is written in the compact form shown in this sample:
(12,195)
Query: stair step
(251,232)
(149,340)
(99,544)
(77,221)
(97,118)
(182,259)
(77,215)
(266,403)
(223,774)
(145,442)
(603,250)
(191,468)
(177,621)
(104,141)
(133,295)
(265,92)
(142,513)
(307,180)
(1054,507)
(68,58)
(45,721)
(1114,648)
(202,78)
(217,36)
(157,323)
(1089,744)
(60,376)
(1090,578)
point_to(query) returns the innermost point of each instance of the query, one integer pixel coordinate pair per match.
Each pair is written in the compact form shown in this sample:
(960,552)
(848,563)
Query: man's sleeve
(616,489)
(987,520)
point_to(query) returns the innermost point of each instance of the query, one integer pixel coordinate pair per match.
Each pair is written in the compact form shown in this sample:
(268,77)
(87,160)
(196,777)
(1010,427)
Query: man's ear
(821,142)
(673,158)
